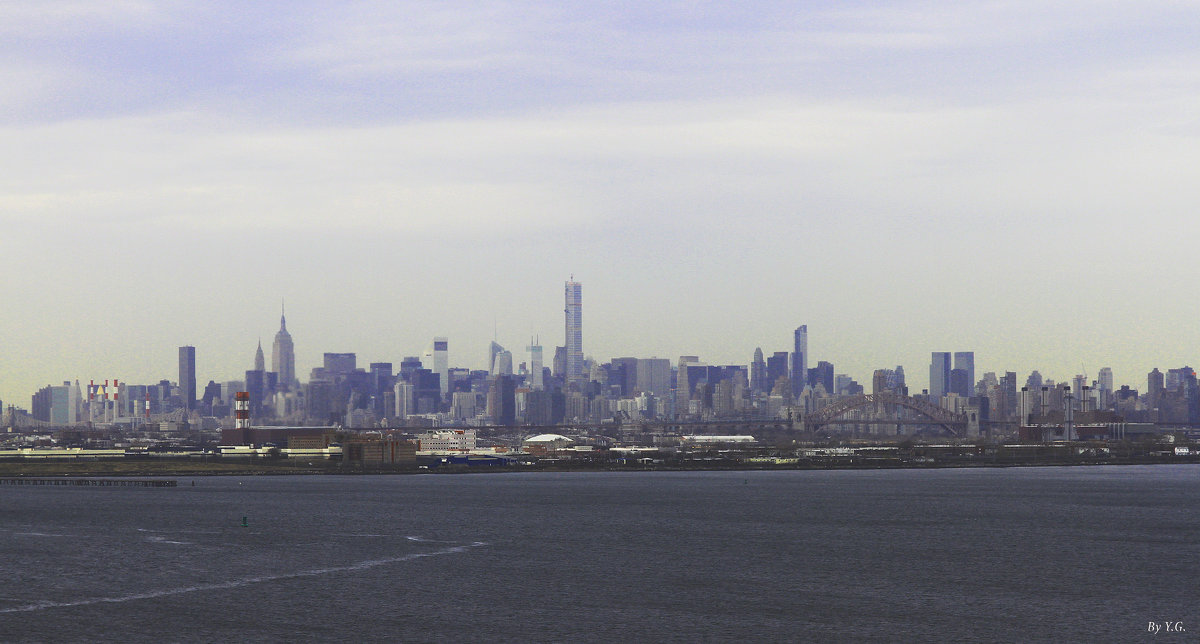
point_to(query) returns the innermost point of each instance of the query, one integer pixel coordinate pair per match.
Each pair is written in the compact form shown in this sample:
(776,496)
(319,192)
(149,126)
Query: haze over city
(1011,179)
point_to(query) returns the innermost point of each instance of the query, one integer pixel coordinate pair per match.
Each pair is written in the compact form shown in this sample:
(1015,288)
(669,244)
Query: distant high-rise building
(407,366)
(260,363)
(939,374)
(960,385)
(559,367)
(505,411)
(187,376)
(777,367)
(340,363)
(624,375)
(822,374)
(965,361)
(1175,377)
(1104,385)
(535,365)
(503,365)
(879,381)
(683,389)
(1009,385)
(1154,387)
(799,359)
(888,380)
(441,362)
(654,376)
(256,388)
(405,403)
(283,355)
(758,372)
(493,348)
(574,329)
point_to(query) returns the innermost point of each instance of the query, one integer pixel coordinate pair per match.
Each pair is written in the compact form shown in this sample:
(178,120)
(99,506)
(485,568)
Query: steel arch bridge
(835,413)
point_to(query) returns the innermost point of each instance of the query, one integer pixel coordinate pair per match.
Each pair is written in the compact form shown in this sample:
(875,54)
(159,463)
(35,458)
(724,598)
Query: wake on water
(245,581)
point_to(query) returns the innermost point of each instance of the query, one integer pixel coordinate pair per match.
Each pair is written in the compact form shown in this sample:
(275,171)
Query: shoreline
(173,468)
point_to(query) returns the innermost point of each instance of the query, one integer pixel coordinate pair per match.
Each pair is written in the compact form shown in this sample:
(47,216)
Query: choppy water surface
(1031,554)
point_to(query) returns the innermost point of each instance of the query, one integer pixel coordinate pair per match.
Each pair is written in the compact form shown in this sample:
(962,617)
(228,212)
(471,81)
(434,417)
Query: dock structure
(90,482)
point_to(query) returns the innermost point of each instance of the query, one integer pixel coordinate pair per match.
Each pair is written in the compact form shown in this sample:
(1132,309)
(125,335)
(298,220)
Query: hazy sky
(1015,178)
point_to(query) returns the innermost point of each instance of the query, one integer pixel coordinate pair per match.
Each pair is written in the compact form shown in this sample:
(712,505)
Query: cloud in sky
(902,177)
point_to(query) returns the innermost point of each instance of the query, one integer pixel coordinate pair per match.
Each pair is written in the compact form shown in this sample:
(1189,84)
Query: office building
(405,401)
(777,367)
(654,376)
(187,377)
(939,374)
(964,361)
(441,363)
(799,372)
(493,348)
(822,375)
(340,363)
(503,365)
(535,365)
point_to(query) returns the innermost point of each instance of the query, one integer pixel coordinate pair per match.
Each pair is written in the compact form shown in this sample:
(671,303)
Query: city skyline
(1008,179)
(442,358)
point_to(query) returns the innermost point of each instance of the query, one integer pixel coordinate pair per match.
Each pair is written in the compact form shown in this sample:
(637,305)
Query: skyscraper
(939,374)
(777,367)
(1154,387)
(504,364)
(1105,386)
(493,348)
(283,355)
(758,371)
(187,376)
(654,376)
(260,363)
(574,327)
(965,361)
(799,359)
(535,365)
(441,362)
(822,374)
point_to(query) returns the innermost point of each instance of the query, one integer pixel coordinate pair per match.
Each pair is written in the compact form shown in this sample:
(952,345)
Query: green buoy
(244,524)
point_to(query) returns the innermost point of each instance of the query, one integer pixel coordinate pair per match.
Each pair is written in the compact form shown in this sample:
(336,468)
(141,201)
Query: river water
(1017,554)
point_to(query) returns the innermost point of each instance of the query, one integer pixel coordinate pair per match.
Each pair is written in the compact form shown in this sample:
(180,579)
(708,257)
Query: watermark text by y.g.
(1165,627)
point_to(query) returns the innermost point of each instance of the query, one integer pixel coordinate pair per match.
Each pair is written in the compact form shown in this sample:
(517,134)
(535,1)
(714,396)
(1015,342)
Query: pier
(90,482)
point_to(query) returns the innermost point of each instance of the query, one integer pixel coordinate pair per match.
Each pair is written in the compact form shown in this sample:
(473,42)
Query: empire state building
(283,356)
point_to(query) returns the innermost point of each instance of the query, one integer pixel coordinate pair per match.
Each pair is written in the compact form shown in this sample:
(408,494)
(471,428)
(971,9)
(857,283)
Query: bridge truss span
(929,413)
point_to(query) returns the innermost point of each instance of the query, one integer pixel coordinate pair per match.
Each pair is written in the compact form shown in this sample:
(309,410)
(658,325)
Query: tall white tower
(574,344)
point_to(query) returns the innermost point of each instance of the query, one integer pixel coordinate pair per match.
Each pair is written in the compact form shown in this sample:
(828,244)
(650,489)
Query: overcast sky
(1015,178)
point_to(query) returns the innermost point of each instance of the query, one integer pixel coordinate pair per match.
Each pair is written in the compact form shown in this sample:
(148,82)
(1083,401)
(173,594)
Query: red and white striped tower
(241,415)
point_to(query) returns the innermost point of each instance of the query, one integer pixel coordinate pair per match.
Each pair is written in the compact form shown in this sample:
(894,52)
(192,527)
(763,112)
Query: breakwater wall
(89,482)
